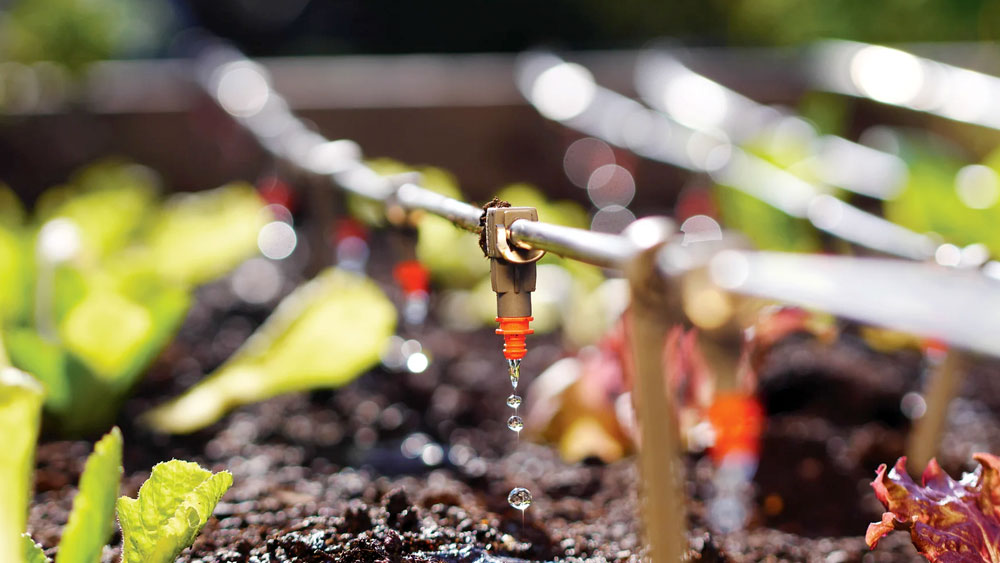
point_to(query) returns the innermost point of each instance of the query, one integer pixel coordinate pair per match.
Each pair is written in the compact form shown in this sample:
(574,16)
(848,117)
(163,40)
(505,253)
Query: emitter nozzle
(513,330)
(512,274)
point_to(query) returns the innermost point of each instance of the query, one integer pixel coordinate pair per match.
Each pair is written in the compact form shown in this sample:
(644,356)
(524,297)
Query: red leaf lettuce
(949,521)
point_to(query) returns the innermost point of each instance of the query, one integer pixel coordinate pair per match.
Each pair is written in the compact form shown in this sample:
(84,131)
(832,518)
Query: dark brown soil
(321,477)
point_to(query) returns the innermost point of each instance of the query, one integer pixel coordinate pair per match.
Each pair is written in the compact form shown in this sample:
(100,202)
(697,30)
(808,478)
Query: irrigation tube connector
(955,306)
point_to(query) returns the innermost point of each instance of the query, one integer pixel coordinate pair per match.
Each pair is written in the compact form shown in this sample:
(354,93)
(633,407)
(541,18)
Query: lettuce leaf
(173,506)
(324,334)
(948,520)
(20,409)
(199,237)
(92,518)
(32,551)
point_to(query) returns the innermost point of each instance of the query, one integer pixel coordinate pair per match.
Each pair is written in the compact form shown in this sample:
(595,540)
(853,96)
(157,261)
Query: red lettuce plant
(949,521)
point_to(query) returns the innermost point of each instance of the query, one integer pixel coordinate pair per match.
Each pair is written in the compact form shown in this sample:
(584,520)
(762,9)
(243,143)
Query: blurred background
(819,113)
(59,112)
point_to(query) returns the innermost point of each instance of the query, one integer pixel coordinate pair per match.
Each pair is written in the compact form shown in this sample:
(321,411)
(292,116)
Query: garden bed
(325,476)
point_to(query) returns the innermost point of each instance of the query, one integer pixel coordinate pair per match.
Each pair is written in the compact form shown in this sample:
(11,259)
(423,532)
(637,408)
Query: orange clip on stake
(738,420)
(514,329)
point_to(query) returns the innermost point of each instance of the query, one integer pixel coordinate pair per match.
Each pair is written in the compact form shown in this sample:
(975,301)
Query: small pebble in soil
(519,498)
(514,401)
(514,369)
(515,423)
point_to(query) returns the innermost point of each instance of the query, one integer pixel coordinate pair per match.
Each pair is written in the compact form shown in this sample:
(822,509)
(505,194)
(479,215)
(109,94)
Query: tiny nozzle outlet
(514,329)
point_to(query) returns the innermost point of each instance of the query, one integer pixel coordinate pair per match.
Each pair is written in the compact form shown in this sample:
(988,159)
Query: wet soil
(401,467)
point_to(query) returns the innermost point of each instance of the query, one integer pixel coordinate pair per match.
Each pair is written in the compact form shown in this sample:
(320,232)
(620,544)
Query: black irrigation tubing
(957,306)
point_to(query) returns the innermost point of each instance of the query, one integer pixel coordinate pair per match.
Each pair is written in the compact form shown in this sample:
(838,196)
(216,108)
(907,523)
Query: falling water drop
(514,368)
(515,423)
(519,498)
(514,401)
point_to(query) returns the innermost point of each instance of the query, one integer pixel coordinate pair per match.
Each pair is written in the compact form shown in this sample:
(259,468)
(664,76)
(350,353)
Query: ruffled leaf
(32,551)
(173,506)
(949,521)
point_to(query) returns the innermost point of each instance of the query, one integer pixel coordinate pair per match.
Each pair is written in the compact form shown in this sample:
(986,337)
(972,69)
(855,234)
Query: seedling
(173,506)
(91,520)
(174,503)
(20,408)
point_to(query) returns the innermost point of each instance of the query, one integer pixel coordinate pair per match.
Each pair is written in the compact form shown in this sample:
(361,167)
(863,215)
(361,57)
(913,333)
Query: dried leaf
(949,521)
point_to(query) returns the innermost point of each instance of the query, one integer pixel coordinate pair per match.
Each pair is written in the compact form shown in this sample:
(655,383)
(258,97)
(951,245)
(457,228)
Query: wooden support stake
(661,494)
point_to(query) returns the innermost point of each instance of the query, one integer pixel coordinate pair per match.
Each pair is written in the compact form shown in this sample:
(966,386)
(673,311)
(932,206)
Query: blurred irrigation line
(566,92)
(704,138)
(956,306)
(669,86)
(878,288)
(899,78)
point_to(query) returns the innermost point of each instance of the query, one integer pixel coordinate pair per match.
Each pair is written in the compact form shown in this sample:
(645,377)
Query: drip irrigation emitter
(512,275)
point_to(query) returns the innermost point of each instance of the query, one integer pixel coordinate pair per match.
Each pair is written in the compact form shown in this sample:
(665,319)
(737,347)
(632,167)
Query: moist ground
(321,477)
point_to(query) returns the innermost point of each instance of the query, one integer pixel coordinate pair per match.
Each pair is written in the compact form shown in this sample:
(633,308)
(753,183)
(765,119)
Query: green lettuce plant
(102,278)
(91,520)
(173,505)
(324,334)
(20,412)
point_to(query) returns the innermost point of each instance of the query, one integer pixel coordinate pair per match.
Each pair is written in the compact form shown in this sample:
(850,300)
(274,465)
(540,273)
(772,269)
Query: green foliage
(173,506)
(75,33)
(201,236)
(324,334)
(568,213)
(930,201)
(92,519)
(20,414)
(15,273)
(766,227)
(793,21)
(463,263)
(103,314)
(108,202)
(32,551)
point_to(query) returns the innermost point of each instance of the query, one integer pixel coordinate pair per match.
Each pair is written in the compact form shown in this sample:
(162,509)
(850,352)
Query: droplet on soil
(514,369)
(515,423)
(514,401)
(519,498)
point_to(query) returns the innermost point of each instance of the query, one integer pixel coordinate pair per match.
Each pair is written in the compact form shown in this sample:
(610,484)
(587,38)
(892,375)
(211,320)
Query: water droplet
(514,401)
(514,369)
(519,498)
(515,423)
